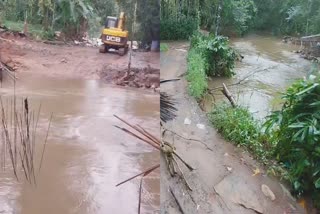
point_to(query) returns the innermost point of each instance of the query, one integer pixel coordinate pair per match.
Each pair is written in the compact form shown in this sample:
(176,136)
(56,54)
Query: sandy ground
(223,181)
(75,62)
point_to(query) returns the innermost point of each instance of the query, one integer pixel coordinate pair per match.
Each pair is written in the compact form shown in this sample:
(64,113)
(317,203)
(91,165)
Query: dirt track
(73,62)
(224,180)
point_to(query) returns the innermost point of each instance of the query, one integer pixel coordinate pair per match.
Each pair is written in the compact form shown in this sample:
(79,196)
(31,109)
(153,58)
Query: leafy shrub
(196,74)
(296,128)
(178,29)
(217,53)
(238,126)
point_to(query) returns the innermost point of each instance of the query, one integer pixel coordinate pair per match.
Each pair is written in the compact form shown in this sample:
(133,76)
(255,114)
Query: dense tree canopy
(75,17)
(240,16)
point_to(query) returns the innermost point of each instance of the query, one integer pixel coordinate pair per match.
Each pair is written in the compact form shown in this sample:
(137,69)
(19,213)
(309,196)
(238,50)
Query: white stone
(267,192)
(201,126)
(187,121)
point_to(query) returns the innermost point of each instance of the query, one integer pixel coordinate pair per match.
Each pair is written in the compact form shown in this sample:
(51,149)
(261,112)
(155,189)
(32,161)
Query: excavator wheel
(122,51)
(103,49)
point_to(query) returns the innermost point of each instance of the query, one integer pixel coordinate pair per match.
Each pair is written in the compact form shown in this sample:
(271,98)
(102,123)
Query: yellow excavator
(114,35)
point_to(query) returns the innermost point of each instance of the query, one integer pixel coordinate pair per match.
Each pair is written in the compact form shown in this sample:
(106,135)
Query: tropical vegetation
(209,56)
(237,17)
(77,17)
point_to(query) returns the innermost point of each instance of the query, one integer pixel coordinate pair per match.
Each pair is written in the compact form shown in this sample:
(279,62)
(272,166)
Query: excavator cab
(114,36)
(112,22)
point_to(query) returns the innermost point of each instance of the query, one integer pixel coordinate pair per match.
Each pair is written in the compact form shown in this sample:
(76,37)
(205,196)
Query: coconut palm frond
(167,108)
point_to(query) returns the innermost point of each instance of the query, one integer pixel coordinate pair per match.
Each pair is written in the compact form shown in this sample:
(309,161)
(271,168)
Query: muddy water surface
(85,155)
(270,65)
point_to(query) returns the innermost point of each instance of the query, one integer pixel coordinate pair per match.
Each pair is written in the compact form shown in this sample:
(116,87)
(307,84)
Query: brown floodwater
(85,156)
(270,65)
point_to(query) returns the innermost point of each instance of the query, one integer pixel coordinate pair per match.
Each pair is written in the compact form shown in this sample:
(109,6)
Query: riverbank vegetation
(209,56)
(290,136)
(179,19)
(237,125)
(76,18)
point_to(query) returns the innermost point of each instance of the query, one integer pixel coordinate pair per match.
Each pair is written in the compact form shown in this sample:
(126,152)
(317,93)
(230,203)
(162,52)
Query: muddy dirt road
(223,181)
(75,62)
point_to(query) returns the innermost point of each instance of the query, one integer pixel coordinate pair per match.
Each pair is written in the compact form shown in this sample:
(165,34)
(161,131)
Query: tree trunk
(218,16)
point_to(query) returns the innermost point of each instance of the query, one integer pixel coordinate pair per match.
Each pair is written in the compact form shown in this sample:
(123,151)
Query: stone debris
(187,121)
(267,192)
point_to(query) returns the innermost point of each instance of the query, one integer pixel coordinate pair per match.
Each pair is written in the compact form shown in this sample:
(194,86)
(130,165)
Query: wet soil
(75,62)
(224,180)
(137,77)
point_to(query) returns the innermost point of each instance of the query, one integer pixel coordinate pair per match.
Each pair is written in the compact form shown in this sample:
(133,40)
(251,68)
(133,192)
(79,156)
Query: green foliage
(238,126)
(289,16)
(217,53)
(196,74)
(239,15)
(208,56)
(178,29)
(76,17)
(164,47)
(296,128)
(236,14)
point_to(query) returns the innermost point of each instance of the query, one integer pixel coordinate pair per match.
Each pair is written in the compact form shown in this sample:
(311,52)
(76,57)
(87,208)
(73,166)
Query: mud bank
(75,62)
(147,77)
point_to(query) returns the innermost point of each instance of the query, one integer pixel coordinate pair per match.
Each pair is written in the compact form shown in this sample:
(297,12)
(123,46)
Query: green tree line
(74,17)
(293,17)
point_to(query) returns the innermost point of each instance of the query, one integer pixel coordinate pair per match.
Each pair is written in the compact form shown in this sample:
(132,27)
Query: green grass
(238,126)
(164,47)
(196,74)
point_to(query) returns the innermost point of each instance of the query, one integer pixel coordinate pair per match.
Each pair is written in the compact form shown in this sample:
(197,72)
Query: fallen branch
(184,178)
(228,94)
(149,139)
(169,80)
(243,79)
(176,199)
(140,138)
(146,172)
(189,139)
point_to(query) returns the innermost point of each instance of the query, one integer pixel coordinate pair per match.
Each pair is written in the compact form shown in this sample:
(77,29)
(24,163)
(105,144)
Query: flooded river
(269,66)
(86,156)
